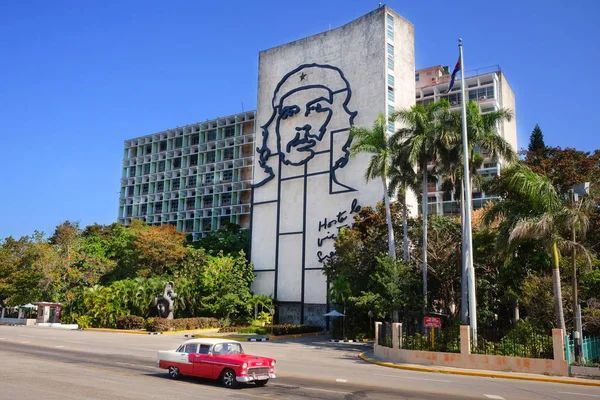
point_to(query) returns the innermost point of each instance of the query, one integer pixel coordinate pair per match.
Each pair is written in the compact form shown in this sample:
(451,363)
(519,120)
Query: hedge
(230,329)
(130,322)
(289,329)
(181,324)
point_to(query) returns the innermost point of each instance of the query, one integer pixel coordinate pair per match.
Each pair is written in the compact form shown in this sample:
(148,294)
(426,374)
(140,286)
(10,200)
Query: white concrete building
(306,185)
(195,177)
(490,89)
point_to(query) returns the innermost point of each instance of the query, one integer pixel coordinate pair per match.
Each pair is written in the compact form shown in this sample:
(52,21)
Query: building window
(481,94)
(206,224)
(131,171)
(228,153)
(211,135)
(229,131)
(210,157)
(146,169)
(160,186)
(390,52)
(144,209)
(390,27)
(174,205)
(195,139)
(391,124)
(129,211)
(161,166)
(178,142)
(163,145)
(226,199)
(194,159)
(176,184)
(416,77)
(191,181)
(177,162)
(190,203)
(207,201)
(390,94)
(129,191)
(227,175)
(148,149)
(145,187)
(209,178)
(390,80)
(189,225)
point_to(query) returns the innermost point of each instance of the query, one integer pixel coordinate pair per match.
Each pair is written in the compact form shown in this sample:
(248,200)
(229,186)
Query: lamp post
(581,189)
(272,312)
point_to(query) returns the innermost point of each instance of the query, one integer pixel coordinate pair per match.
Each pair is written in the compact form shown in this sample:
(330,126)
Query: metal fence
(385,334)
(590,348)
(445,340)
(514,343)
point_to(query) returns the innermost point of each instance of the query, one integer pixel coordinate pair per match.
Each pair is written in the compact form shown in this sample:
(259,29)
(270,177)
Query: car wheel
(228,379)
(261,383)
(174,373)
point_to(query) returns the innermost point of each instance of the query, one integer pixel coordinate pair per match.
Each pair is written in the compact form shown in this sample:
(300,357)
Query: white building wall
(306,186)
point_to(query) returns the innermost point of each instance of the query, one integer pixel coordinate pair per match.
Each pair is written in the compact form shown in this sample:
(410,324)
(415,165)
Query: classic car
(220,359)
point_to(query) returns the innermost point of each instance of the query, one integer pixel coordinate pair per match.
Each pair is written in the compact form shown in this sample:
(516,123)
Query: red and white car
(220,359)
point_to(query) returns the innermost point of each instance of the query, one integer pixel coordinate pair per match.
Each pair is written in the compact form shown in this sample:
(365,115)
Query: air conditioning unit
(483,98)
(453,103)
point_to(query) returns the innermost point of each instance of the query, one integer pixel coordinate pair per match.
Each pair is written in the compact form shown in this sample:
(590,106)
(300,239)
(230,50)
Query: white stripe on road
(494,396)
(580,394)
(341,380)
(58,347)
(133,365)
(25,342)
(410,377)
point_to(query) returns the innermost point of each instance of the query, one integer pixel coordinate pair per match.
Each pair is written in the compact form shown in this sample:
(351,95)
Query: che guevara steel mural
(302,148)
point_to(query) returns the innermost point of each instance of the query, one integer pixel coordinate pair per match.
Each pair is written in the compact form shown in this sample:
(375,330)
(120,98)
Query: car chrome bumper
(252,378)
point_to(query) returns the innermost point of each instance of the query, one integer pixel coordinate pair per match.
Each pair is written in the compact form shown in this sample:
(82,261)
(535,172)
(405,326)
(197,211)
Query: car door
(186,366)
(203,365)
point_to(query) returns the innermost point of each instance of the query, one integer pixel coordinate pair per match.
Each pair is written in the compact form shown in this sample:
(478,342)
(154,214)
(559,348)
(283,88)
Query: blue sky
(78,78)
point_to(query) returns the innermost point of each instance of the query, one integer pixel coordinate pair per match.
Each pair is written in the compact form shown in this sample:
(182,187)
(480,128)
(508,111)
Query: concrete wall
(464,359)
(508,130)
(310,92)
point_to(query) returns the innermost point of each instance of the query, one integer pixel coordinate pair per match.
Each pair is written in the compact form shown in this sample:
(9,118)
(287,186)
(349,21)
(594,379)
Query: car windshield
(227,348)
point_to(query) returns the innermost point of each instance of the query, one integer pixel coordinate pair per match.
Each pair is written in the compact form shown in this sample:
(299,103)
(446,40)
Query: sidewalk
(369,357)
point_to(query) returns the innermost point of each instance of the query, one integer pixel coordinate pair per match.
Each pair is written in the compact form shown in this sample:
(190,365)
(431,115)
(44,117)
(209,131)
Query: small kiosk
(48,313)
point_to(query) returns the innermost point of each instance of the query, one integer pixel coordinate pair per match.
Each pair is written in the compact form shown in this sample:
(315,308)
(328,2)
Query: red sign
(433,322)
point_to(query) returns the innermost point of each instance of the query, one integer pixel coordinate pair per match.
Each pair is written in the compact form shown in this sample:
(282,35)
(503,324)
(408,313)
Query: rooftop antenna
(379,5)
(242,106)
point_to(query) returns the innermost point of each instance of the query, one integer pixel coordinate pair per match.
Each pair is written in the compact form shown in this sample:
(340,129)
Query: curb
(120,331)
(345,341)
(477,373)
(264,339)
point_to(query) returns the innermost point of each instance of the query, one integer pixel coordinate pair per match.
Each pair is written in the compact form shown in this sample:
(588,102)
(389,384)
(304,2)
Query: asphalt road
(45,363)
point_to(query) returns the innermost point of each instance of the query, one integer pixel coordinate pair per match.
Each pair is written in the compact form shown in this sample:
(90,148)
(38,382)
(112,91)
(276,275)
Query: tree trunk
(558,307)
(405,226)
(464,282)
(388,213)
(425,210)
(516,315)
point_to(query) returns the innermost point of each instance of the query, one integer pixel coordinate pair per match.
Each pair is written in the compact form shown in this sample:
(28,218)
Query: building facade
(196,177)
(306,185)
(490,89)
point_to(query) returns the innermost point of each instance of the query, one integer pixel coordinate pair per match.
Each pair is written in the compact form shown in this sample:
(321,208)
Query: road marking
(494,396)
(73,341)
(325,390)
(26,342)
(28,336)
(580,394)
(341,380)
(58,347)
(134,365)
(417,379)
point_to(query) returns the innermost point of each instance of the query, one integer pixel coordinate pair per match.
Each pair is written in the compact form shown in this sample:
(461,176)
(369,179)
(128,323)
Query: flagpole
(467,204)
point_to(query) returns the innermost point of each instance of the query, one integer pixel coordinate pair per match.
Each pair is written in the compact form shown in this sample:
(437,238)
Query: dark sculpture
(165,304)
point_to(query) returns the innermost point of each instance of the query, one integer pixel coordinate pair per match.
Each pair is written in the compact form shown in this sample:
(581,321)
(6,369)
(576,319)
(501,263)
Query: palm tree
(376,142)
(339,292)
(546,217)
(418,143)
(402,179)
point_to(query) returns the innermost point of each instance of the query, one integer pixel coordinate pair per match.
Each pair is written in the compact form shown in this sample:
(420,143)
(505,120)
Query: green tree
(403,179)
(376,142)
(536,140)
(229,239)
(419,141)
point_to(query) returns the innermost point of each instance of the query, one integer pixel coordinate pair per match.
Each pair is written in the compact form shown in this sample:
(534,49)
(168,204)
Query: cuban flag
(456,69)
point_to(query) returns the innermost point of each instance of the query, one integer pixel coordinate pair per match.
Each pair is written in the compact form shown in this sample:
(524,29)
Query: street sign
(432,322)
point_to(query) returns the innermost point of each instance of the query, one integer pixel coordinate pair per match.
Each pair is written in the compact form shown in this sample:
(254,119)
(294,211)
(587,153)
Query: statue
(165,304)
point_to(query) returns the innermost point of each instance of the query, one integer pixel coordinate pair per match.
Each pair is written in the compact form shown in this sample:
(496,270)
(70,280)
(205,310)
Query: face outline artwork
(304,107)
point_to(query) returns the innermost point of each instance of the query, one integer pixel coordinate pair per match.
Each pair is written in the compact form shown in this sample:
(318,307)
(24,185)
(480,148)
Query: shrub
(148,323)
(289,329)
(85,321)
(180,324)
(253,329)
(229,329)
(130,322)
